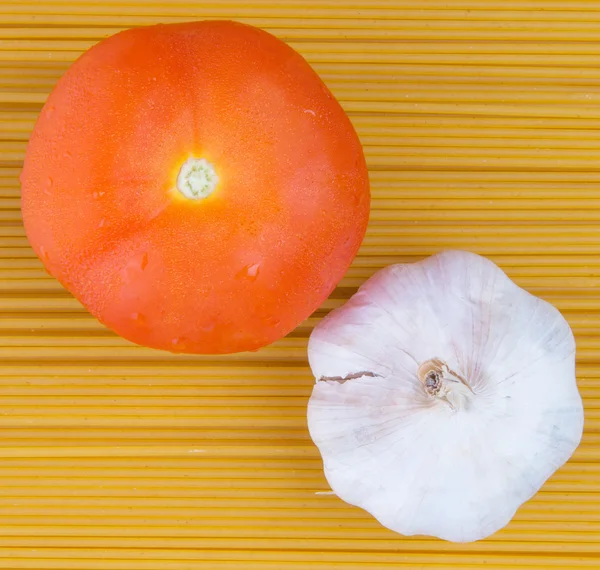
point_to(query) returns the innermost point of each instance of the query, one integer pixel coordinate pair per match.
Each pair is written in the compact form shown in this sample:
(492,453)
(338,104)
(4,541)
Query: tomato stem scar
(197,179)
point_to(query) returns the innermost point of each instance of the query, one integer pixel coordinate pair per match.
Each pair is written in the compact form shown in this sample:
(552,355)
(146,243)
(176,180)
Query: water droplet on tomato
(68,155)
(253,271)
(249,272)
(44,254)
(49,183)
(101,224)
(178,343)
(95,195)
(138,318)
(132,270)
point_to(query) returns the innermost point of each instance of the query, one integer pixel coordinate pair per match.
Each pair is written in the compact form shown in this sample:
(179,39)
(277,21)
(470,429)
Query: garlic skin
(445,397)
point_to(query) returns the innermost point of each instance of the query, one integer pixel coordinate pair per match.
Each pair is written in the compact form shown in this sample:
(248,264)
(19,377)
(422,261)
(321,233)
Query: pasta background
(481,125)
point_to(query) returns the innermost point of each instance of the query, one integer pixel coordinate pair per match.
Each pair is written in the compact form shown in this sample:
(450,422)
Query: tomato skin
(231,272)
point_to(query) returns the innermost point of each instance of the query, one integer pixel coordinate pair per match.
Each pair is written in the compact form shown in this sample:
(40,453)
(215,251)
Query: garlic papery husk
(445,397)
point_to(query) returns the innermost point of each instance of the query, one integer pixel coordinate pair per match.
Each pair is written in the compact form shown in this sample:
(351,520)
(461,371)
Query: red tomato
(196,186)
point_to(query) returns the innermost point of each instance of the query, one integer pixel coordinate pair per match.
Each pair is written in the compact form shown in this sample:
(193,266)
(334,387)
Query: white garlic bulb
(445,397)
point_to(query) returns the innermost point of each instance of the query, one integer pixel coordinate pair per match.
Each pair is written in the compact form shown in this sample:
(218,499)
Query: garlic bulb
(445,397)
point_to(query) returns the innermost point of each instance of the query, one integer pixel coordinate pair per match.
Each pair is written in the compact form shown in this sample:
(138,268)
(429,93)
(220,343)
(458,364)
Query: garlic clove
(445,397)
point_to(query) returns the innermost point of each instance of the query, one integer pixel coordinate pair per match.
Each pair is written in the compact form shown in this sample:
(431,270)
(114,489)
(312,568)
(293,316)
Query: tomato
(196,186)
